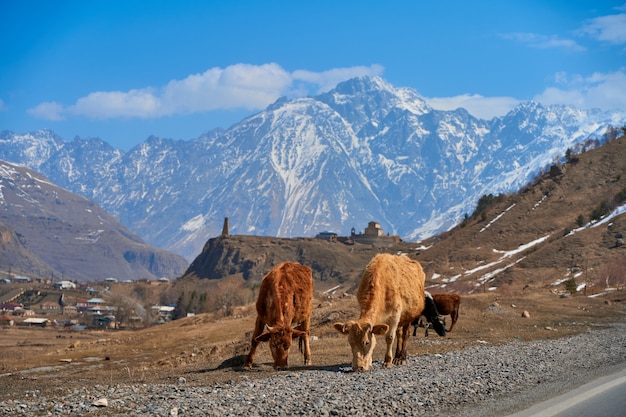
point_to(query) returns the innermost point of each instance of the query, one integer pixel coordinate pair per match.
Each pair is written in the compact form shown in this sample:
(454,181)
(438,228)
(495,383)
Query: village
(35,302)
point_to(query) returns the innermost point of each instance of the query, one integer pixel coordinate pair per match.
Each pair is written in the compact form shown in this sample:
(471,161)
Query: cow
(447,304)
(430,317)
(390,295)
(285,300)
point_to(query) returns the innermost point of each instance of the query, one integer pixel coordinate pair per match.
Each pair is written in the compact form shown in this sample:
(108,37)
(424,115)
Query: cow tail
(301,344)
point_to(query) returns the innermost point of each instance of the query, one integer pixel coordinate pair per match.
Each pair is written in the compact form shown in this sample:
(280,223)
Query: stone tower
(225,228)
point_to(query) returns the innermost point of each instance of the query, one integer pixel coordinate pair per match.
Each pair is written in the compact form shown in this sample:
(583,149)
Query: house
(162,314)
(6,321)
(69,310)
(106,322)
(11,306)
(95,302)
(23,312)
(65,285)
(35,321)
(81,304)
(327,236)
(50,305)
(21,278)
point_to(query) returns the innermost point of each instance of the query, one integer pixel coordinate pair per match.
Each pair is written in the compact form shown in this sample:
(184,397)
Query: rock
(75,344)
(102,402)
(525,314)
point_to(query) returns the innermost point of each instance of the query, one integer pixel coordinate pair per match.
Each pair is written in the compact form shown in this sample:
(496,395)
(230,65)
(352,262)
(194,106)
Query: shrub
(570,285)
(485,202)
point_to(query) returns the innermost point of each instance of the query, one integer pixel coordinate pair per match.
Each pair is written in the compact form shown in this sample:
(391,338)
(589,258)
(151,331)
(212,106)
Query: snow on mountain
(363,151)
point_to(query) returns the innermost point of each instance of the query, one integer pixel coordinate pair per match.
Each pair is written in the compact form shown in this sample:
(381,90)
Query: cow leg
(258,329)
(454,316)
(306,340)
(403,338)
(390,337)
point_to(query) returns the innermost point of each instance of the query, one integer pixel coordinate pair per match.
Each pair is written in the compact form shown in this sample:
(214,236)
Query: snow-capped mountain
(363,151)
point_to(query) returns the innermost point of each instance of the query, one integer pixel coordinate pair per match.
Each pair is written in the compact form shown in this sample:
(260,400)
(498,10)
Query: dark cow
(446,304)
(285,300)
(391,295)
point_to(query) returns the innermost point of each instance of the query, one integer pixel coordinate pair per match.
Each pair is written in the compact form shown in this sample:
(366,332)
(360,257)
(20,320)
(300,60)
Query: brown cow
(285,299)
(391,295)
(448,304)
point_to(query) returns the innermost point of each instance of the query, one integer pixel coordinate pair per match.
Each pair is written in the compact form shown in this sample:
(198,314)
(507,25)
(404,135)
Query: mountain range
(47,231)
(360,152)
(567,224)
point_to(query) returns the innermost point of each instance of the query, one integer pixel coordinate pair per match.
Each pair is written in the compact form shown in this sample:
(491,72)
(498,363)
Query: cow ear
(342,328)
(380,329)
(263,337)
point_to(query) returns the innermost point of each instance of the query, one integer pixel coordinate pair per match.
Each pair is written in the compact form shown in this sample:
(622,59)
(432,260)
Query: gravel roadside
(477,381)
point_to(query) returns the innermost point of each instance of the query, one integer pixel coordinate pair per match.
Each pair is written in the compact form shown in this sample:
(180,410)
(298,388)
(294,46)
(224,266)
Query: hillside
(49,231)
(564,225)
(537,237)
(16,259)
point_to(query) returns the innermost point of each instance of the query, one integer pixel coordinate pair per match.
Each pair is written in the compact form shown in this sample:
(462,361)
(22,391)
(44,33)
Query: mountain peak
(362,84)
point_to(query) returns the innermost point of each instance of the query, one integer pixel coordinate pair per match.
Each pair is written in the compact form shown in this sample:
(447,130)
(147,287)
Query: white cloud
(47,111)
(240,86)
(611,28)
(327,80)
(479,106)
(535,40)
(604,91)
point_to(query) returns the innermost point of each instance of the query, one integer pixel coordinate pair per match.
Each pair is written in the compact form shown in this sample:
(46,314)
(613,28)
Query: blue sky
(125,70)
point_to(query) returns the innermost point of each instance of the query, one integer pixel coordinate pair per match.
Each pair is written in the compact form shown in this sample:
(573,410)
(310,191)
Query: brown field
(207,350)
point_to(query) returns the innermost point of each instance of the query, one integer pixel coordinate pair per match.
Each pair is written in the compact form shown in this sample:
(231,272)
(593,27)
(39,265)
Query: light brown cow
(391,295)
(448,304)
(285,299)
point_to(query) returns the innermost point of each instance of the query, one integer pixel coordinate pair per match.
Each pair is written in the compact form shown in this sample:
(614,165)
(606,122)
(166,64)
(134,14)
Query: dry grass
(207,349)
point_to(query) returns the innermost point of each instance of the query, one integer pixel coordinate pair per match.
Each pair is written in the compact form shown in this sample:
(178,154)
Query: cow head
(362,339)
(280,337)
(432,315)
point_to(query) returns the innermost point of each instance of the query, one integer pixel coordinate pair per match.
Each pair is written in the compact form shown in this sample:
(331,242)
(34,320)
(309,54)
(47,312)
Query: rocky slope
(51,232)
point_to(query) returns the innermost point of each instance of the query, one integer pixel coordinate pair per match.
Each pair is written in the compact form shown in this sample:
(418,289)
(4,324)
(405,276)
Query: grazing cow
(446,304)
(285,299)
(391,295)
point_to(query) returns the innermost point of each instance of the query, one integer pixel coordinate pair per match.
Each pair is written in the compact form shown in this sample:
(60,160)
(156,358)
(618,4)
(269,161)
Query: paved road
(604,397)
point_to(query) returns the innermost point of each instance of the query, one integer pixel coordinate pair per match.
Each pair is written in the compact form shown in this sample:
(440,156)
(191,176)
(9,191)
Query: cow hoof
(399,361)
(308,362)
(388,365)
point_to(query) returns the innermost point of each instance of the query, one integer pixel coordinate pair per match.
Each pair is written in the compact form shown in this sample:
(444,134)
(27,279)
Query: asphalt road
(603,397)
